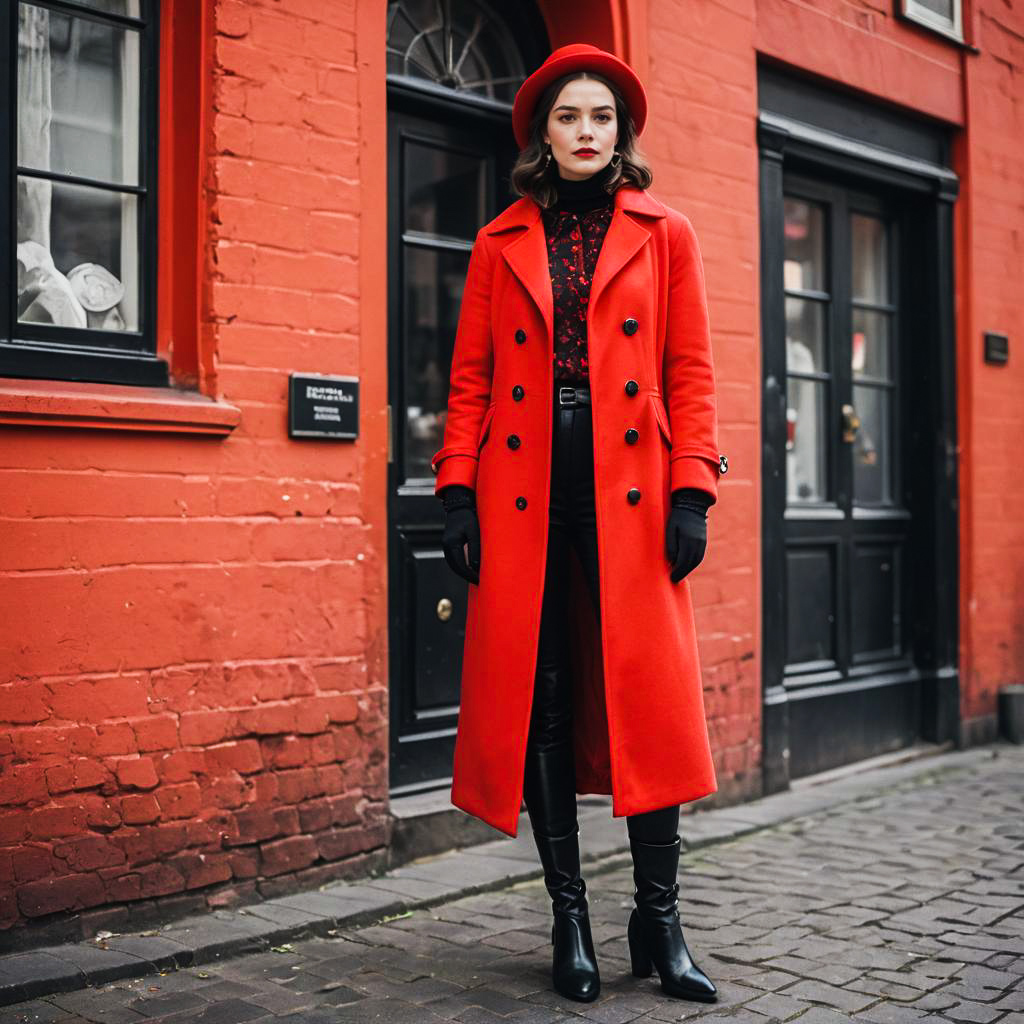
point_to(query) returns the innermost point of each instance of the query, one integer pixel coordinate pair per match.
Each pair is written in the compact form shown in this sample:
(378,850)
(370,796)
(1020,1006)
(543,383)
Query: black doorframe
(879,147)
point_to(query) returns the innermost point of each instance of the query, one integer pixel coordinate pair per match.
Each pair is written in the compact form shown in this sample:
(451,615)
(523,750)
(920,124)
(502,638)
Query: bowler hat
(577,57)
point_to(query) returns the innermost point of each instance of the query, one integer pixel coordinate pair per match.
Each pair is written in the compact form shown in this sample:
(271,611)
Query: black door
(445,182)
(858,457)
(848,520)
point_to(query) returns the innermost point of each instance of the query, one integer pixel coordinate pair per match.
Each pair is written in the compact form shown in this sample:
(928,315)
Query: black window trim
(44,352)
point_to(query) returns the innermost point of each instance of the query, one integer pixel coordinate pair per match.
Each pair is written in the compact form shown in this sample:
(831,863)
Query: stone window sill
(53,403)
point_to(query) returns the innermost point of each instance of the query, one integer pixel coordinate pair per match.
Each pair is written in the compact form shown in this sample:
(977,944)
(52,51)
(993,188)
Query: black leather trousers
(550,779)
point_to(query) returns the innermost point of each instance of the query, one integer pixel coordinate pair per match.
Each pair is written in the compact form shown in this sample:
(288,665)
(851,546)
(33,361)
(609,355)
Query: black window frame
(43,351)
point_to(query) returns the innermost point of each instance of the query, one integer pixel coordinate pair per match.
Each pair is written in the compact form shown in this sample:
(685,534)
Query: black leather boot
(574,965)
(655,933)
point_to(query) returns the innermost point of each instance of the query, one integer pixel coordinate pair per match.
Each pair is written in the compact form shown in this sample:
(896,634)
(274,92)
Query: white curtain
(35,112)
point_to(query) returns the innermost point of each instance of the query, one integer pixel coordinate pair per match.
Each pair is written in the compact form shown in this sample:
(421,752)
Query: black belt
(568,395)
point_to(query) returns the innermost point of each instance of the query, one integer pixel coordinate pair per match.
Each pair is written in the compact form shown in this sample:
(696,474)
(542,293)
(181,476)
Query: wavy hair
(534,175)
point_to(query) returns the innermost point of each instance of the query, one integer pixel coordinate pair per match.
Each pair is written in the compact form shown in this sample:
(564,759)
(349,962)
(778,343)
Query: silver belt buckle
(562,396)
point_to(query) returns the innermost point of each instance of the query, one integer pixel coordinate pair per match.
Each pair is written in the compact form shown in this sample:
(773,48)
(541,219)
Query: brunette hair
(533,174)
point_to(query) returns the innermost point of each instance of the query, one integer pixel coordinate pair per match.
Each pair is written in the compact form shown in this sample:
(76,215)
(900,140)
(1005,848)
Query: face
(582,118)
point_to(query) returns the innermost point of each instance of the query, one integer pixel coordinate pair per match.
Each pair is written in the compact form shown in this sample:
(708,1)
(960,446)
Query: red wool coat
(640,731)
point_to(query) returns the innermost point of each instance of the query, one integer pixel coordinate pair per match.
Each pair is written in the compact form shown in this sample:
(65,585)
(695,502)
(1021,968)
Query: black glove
(686,535)
(461,527)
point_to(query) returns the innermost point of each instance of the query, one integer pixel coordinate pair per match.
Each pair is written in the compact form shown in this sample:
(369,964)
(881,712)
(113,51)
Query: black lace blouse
(574,229)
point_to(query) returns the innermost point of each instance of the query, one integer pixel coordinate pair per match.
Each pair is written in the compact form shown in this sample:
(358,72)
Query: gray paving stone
(99,965)
(228,1011)
(159,950)
(893,1013)
(846,999)
(822,1015)
(165,1004)
(27,975)
(777,1004)
(38,1012)
(975,1013)
(877,901)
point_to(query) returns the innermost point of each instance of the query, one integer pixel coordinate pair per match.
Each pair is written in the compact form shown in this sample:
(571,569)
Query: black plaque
(997,348)
(320,406)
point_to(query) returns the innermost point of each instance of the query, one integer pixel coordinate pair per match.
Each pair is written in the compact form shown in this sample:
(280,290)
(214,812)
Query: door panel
(846,524)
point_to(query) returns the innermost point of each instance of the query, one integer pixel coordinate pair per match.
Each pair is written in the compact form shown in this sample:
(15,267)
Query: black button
(520,336)
(723,464)
(514,441)
(632,435)
(520,502)
(517,392)
(630,326)
(632,387)
(633,494)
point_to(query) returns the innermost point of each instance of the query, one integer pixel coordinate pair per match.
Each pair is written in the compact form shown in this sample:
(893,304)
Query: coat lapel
(527,255)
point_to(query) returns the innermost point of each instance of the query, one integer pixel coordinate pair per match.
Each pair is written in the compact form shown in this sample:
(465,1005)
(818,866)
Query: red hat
(577,57)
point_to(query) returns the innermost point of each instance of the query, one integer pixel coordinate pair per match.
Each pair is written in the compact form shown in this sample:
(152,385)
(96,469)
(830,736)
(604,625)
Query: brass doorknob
(851,422)
(444,609)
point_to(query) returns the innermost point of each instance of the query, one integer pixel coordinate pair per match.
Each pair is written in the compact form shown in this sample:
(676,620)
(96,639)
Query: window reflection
(435,281)
(872,360)
(807,365)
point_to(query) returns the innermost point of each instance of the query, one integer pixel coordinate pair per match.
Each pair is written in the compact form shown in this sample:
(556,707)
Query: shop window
(79,248)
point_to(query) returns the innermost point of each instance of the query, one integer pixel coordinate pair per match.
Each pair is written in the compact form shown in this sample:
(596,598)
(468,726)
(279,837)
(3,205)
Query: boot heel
(640,962)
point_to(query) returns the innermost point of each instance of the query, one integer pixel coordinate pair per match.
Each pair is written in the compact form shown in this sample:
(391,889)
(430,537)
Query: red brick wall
(991,400)
(193,696)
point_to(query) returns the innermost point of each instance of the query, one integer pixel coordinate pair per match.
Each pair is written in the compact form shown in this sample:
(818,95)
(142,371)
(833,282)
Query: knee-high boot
(574,970)
(654,932)
(551,802)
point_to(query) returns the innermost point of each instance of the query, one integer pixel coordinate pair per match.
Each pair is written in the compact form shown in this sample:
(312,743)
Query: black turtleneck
(585,194)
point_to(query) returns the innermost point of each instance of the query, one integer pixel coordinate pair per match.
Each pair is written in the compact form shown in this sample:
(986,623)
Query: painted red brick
(68,892)
(24,702)
(290,854)
(156,733)
(243,757)
(136,773)
(140,810)
(182,801)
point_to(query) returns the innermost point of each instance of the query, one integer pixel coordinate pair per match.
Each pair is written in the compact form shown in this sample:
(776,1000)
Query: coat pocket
(661,415)
(485,426)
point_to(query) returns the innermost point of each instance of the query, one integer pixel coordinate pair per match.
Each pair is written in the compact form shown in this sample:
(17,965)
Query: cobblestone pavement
(904,906)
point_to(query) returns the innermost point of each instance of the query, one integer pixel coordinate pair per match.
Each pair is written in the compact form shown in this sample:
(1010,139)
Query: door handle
(851,422)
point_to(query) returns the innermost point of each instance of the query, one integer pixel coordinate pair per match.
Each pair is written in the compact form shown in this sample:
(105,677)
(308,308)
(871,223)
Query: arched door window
(467,47)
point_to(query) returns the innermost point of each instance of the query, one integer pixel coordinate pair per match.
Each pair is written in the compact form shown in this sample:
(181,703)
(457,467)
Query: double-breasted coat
(640,731)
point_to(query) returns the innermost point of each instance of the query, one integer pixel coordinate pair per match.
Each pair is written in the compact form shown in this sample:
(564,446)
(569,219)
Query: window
(944,16)
(468,47)
(79,114)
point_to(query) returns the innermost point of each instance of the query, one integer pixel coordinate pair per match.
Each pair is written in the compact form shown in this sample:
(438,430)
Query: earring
(547,159)
(616,159)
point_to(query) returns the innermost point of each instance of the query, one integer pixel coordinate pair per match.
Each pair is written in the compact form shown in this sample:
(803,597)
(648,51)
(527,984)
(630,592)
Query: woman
(579,460)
